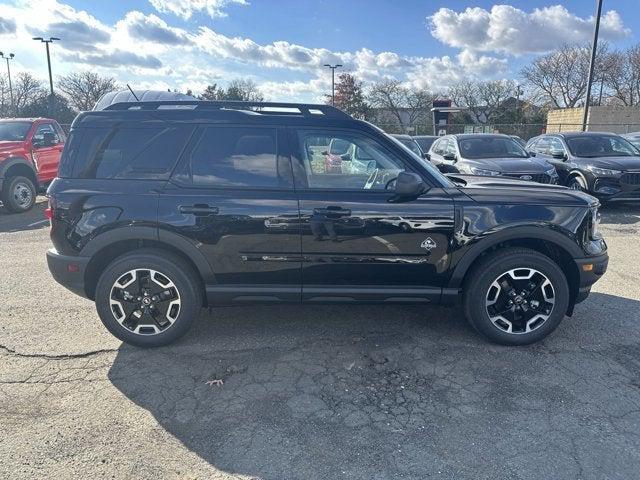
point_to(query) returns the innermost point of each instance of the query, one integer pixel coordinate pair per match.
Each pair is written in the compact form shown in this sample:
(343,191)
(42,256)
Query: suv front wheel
(148,297)
(516,296)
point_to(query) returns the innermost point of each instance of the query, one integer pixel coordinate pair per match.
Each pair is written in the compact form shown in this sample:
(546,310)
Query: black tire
(186,283)
(18,194)
(576,183)
(490,268)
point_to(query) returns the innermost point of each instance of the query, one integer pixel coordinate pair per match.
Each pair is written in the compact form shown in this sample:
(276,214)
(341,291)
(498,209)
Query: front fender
(467,255)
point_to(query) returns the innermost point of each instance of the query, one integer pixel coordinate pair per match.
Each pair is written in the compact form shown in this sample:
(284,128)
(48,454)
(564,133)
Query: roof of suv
(218,112)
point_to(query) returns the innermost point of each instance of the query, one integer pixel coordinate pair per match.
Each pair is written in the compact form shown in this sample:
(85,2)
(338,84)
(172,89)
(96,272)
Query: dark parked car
(490,155)
(159,211)
(602,164)
(425,141)
(410,143)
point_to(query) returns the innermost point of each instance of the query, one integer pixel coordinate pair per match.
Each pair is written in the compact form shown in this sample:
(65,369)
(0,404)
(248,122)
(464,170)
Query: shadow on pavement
(31,220)
(382,392)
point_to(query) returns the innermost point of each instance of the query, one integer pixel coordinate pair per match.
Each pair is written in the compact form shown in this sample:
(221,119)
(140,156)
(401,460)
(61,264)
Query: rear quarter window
(144,153)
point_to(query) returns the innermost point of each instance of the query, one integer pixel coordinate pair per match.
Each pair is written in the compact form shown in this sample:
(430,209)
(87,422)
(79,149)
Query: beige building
(605,118)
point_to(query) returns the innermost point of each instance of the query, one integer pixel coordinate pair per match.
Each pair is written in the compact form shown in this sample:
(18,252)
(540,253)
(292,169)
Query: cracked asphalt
(291,392)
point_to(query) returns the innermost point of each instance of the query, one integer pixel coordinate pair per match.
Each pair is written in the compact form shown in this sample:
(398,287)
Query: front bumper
(615,191)
(68,271)
(590,270)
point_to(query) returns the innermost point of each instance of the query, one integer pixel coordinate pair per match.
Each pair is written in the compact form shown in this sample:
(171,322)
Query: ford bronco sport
(161,208)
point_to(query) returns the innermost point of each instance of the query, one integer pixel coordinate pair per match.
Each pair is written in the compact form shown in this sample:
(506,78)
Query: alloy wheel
(145,301)
(520,300)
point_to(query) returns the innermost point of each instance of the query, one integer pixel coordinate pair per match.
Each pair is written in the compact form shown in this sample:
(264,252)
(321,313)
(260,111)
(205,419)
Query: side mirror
(450,157)
(531,153)
(426,156)
(409,185)
(559,154)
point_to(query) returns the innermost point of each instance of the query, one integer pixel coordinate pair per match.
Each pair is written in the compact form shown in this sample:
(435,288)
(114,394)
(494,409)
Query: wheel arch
(106,247)
(577,173)
(18,166)
(548,242)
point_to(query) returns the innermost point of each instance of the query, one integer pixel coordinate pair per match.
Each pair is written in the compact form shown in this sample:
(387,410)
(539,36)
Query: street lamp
(47,42)
(333,81)
(592,63)
(7,58)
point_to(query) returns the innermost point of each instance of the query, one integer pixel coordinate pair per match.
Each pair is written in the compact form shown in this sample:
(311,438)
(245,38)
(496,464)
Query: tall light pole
(333,81)
(47,42)
(592,64)
(7,58)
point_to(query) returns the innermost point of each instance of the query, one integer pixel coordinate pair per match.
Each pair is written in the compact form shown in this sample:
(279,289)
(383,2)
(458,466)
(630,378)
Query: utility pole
(333,81)
(47,42)
(592,64)
(10,57)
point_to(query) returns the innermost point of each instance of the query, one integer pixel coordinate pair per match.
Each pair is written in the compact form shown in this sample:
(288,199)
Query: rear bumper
(68,271)
(591,270)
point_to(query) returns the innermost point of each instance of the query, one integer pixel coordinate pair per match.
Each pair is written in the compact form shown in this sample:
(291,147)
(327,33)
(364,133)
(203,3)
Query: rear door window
(227,156)
(132,153)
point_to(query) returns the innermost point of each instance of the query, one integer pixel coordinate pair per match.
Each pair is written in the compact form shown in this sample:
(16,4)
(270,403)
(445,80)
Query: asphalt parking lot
(316,392)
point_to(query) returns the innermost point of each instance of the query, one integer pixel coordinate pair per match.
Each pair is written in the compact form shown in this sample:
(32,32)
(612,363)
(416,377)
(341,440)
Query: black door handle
(199,209)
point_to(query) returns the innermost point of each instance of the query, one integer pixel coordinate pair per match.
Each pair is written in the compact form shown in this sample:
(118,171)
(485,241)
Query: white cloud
(186,8)
(506,29)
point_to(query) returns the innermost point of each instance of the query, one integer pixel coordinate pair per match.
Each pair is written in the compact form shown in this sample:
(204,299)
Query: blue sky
(282,44)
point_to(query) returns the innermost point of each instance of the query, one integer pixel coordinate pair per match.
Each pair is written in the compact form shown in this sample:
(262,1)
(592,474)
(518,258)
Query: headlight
(603,172)
(595,224)
(485,173)
(551,172)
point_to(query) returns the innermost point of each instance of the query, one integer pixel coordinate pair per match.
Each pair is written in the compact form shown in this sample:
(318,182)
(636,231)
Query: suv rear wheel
(516,296)
(18,194)
(148,297)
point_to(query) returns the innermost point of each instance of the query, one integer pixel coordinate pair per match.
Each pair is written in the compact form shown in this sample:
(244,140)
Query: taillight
(48,213)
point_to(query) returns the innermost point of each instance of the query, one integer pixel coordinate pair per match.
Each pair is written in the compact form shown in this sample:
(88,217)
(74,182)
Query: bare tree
(84,89)
(26,90)
(5,98)
(623,75)
(560,77)
(405,105)
(483,100)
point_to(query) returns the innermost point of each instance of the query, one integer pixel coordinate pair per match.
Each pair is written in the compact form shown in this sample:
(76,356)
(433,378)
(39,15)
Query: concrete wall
(605,118)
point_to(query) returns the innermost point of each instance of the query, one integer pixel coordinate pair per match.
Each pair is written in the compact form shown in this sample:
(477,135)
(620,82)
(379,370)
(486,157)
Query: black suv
(490,155)
(602,164)
(162,208)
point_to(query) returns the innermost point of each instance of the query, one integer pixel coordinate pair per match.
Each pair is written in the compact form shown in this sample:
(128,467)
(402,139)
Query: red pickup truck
(30,150)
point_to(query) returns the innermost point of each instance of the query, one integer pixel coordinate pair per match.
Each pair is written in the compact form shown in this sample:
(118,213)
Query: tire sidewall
(174,269)
(7,194)
(476,295)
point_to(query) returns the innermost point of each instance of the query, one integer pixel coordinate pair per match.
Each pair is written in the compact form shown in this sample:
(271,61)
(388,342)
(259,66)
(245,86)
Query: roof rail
(262,108)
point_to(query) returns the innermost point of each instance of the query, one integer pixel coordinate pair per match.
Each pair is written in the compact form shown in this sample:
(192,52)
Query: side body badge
(428,244)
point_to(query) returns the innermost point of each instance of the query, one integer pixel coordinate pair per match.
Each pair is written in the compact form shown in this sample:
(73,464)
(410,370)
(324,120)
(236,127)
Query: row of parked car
(605,165)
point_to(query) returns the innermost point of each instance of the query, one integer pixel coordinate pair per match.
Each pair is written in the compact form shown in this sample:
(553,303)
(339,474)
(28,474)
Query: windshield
(590,146)
(491,147)
(444,181)
(14,131)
